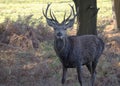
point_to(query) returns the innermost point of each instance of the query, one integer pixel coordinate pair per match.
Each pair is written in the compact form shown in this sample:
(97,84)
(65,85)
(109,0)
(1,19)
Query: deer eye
(55,28)
(65,28)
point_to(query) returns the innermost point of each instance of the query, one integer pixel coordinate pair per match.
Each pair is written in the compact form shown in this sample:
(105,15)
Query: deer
(74,51)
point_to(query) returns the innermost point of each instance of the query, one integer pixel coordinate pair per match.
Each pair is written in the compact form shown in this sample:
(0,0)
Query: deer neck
(61,45)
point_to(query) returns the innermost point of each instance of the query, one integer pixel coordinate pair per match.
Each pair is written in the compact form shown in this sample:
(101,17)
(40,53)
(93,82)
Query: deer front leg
(64,75)
(93,78)
(79,75)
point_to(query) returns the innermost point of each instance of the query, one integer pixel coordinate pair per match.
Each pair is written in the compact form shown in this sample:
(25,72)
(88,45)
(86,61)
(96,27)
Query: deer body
(75,51)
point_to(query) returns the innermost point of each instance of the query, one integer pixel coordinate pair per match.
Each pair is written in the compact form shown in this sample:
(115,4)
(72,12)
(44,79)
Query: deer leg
(64,75)
(93,73)
(79,75)
(93,78)
(91,67)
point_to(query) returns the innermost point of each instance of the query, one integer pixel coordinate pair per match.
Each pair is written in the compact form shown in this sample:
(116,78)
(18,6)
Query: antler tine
(45,13)
(69,16)
(64,16)
(53,16)
(52,21)
(68,22)
(65,20)
(73,10)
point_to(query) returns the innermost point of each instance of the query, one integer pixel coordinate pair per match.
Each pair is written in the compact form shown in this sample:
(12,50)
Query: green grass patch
(28,7)
(13,10)
(31,1)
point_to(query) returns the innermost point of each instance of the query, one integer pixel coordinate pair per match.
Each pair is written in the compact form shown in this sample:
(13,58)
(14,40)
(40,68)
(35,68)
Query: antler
(51,21)
(68,20)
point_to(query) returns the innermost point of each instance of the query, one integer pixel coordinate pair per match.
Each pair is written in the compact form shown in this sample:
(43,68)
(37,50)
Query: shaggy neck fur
(62,48)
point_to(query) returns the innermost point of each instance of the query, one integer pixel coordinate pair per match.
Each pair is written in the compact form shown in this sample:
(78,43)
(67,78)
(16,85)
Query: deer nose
(59,34)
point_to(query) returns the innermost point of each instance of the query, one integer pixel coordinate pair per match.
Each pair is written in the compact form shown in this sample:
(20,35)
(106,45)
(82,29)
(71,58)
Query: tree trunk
(86,16)
(117,13)
(113,14)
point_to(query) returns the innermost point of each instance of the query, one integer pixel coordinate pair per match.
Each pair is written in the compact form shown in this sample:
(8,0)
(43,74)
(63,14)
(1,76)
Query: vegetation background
(27,57)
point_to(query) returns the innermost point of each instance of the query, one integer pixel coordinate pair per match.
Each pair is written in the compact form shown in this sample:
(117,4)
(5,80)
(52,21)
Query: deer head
(60,28)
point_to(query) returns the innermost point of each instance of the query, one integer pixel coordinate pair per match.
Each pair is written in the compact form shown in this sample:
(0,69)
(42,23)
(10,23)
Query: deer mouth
(59,37)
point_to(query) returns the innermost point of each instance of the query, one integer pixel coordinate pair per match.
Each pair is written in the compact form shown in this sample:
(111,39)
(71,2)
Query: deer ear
(70,23)
(50,22)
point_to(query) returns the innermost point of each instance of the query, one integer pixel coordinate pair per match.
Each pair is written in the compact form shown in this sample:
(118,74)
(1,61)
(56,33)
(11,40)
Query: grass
(41,67)
(14,8)
(105,13)
(26,9)
(31,1)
